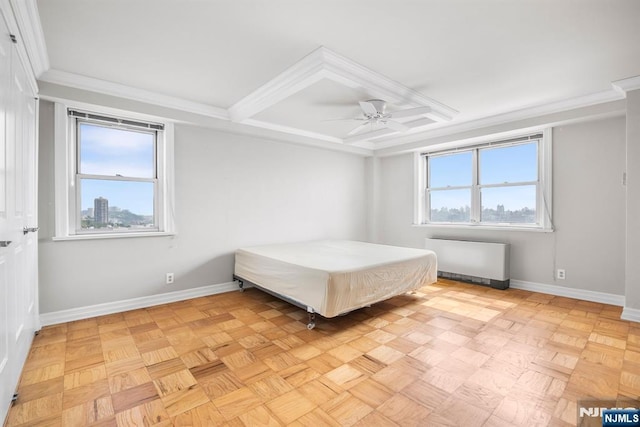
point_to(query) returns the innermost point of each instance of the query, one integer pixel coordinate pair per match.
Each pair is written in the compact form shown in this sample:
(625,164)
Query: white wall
(231,191)
(588,208)
(633,205)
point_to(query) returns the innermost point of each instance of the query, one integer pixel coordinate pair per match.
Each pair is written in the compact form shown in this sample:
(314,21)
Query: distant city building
(101,210)
(90,212)
(499,214)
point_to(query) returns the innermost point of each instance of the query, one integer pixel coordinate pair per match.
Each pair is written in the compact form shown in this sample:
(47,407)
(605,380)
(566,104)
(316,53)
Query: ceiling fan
(374,113)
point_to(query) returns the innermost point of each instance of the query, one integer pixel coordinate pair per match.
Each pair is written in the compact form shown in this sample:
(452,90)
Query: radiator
(476,262)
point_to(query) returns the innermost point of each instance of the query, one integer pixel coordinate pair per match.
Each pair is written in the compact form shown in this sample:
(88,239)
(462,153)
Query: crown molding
(283,134)
(334,142)
(369,136)
(321,64)
(626,85)
(415,140)
(364,144)
(291,130)
(28,20)
(115,89)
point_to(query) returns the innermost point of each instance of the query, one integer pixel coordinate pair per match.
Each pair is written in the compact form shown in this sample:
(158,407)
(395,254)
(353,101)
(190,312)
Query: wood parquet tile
(451,354)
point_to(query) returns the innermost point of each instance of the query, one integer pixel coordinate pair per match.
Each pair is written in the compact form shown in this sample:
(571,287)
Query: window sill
(484,227)
(111,236)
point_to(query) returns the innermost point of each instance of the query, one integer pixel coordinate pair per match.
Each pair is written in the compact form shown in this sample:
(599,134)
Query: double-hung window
(113,175)
(503,183)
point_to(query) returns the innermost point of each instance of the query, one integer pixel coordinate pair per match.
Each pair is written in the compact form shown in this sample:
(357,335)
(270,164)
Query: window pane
(518,163)
(450,205)
(111,152)
(116,205)
(509,204)
(451,170)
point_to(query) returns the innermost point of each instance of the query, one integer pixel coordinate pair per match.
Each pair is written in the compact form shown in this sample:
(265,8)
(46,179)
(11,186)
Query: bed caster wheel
(241,289)
(310,326)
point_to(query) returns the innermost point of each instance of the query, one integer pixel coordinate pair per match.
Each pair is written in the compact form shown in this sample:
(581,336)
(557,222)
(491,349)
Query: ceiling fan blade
(368,108)
(392,124)
(358,128)
(410,112)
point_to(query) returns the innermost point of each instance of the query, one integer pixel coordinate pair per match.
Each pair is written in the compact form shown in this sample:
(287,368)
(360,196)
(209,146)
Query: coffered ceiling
(291,66)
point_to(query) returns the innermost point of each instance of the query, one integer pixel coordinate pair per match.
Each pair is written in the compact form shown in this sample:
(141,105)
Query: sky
(111,152)
(517,163)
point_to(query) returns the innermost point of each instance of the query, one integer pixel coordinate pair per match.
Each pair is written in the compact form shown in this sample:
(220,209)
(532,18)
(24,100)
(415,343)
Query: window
(112,175)
(495,184)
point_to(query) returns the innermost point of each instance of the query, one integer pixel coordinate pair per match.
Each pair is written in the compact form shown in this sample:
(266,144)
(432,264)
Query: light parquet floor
(450,354)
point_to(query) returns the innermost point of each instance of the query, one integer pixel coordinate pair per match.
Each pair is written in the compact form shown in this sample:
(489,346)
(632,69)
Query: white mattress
(334,277)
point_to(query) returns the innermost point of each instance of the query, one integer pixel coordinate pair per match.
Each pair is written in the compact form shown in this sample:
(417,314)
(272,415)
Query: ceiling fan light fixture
(374,113)
(373,107)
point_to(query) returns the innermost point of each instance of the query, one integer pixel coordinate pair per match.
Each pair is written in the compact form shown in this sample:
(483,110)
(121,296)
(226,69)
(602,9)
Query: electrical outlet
(561,274)
(170,278)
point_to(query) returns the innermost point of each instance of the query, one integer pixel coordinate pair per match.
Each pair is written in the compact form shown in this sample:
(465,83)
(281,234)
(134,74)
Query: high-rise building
(101,210)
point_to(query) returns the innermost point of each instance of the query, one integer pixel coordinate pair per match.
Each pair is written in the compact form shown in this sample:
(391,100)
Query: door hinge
(14,398)
(13,38)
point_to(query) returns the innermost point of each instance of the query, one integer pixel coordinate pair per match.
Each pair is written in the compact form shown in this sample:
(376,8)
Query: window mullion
(78,204)
(72,169)
(427,206)
(509,184)
(422,213)
(457,187)
(475,188)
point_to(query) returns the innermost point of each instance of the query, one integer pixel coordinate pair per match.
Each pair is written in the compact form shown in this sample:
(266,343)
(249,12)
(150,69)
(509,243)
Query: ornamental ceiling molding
(322,64)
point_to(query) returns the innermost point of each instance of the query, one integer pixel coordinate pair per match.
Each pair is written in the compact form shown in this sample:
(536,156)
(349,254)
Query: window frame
(422,210)
(68,177)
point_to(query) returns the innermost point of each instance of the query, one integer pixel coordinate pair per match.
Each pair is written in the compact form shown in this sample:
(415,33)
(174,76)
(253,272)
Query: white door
(18,214)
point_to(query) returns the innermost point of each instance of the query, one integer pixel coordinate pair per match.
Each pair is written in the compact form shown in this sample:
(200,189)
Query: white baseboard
(79,313)
(561,291)
(69,315)
(632,314)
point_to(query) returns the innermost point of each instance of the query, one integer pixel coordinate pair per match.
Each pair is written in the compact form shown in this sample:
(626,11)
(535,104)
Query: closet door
(18,218)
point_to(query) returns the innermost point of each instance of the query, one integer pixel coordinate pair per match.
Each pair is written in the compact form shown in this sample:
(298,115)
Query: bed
(334,277)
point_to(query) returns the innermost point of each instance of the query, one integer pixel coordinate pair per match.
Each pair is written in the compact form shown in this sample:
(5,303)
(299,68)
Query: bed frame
(310,311)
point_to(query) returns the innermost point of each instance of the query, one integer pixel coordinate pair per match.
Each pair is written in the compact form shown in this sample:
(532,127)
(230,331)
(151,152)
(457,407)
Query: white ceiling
(481,58)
